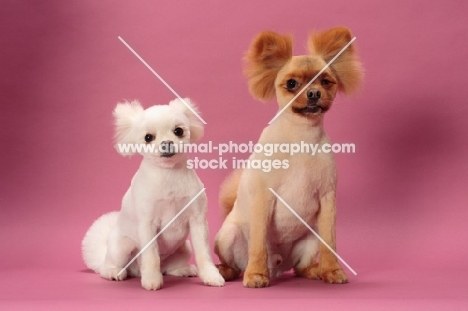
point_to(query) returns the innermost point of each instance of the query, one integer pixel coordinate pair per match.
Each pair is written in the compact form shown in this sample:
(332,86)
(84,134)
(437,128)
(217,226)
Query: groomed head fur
(158,131)
(272,70)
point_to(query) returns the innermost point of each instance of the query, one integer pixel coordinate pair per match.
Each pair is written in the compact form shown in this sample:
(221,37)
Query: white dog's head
(158,132)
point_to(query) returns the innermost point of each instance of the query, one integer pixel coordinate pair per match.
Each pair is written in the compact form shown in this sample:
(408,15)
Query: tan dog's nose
(313,94)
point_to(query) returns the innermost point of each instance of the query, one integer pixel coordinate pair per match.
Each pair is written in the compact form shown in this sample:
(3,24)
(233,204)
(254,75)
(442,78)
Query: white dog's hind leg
(178,263)
(119,250)
(94,244)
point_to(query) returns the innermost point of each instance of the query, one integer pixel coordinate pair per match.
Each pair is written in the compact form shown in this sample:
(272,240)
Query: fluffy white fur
(161,187)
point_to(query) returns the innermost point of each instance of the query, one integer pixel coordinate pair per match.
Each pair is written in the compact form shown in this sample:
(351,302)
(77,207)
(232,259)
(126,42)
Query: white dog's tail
(94,244)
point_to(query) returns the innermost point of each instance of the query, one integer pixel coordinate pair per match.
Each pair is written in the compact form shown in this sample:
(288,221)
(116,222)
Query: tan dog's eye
(326,82)
(292,85)
(149,138)
(179,132)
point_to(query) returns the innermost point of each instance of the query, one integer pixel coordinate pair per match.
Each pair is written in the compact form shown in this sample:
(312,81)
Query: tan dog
(260,235)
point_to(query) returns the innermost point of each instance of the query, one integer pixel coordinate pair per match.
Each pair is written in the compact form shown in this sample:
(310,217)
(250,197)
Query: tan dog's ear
(267,54)
(347,66)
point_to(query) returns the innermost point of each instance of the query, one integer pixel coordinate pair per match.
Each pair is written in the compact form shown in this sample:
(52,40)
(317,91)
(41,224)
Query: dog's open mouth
(310,108)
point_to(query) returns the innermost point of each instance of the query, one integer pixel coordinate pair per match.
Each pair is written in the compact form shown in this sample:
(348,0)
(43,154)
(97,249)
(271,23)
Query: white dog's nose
(167,149)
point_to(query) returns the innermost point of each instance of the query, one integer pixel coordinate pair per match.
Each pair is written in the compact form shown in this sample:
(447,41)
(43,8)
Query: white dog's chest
(176,228)
(158,214)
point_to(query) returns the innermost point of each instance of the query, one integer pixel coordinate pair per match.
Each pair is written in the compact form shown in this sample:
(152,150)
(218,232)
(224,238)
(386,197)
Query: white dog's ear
(196,126)
(125,117)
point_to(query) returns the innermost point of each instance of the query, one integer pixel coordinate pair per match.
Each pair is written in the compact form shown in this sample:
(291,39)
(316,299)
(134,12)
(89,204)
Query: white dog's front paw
(152,280)
(187,271)
(113,273)
(211,277)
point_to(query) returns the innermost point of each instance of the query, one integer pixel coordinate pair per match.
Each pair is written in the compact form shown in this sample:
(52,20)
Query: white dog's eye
(149,138)
(179,132)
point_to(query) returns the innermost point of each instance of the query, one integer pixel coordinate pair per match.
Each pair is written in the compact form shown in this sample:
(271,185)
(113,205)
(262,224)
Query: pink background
(402,196)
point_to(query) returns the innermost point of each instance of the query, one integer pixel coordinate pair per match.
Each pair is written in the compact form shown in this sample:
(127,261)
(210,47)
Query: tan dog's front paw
(334,276)
(256,280)
(152,281)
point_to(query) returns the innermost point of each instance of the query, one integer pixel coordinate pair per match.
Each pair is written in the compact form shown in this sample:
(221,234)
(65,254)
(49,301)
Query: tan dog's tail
(228,192)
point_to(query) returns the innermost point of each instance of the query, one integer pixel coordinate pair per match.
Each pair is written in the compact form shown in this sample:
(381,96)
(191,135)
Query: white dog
(161,187)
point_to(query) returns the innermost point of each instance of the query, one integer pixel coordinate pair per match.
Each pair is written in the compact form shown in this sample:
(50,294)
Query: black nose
(313,94)
(167,147)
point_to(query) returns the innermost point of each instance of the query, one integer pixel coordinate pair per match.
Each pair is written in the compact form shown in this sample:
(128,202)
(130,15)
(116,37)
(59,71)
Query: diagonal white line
(311,81)
(161,79)
(162,230)
(312,230)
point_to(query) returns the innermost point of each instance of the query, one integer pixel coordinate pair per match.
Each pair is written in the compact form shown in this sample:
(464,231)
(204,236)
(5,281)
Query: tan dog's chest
(300,187)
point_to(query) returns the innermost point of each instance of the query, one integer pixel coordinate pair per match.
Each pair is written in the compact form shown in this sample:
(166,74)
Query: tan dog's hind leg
(227,272)
(231,248)
(230,245)
(257,273)
(330,270)
(304,254)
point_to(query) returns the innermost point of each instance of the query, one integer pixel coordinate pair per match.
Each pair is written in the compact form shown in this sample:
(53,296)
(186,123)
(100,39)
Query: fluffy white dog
(161,187)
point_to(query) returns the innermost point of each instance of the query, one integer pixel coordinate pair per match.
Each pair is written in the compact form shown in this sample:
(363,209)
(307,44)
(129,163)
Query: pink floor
(50,289)
(42,270)
(402,197)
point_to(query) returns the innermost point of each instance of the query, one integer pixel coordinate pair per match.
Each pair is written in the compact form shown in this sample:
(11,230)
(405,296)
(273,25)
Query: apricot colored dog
(260,236)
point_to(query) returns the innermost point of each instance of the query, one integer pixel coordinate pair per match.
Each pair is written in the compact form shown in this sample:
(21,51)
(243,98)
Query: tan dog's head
(271,69)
